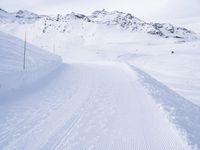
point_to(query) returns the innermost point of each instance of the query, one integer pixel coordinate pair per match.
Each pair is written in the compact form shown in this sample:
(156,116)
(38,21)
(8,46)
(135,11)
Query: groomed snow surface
(87,106)
(112,94)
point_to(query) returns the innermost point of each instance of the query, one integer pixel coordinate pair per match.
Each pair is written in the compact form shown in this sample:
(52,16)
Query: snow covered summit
(21,16)
(129,22)
(124,21)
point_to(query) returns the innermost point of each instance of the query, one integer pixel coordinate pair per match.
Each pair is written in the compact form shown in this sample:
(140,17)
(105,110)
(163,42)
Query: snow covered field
(115,89)
(180,71)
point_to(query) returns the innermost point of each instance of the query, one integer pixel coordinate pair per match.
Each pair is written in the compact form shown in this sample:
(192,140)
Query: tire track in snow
(15,114)
(61,136)
(88,120)
(58,101)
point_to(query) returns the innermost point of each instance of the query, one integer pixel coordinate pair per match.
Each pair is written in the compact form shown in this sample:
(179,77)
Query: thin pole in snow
(24,64)
(54,48)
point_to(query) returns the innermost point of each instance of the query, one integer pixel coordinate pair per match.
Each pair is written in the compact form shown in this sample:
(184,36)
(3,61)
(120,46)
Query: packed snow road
(100,106)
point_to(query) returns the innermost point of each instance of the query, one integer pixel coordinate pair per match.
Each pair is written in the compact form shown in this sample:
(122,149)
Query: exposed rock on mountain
(124,21)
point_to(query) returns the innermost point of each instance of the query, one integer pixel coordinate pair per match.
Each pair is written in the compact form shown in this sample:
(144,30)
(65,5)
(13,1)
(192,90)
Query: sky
(144,9)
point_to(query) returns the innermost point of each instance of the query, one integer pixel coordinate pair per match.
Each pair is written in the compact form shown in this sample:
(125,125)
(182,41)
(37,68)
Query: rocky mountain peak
(125,21)
(2,10)
(26,14)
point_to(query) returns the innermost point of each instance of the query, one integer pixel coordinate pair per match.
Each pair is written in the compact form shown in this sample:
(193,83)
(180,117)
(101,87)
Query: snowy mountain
(131,23)
(22,16)
(65,106)
(124,21)
(119,85)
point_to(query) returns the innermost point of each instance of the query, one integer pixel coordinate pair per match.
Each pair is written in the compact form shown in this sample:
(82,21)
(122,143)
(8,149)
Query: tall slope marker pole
(24,64)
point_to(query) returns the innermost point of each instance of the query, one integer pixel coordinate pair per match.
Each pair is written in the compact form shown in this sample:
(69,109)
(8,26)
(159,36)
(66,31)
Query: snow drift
(38,63)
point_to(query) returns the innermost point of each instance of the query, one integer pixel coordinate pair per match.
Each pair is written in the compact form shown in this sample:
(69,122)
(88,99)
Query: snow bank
(183,113)
(38,63)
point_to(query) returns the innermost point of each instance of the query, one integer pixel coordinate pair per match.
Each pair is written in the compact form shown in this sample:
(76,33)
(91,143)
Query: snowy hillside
(22,16)
(191,23)
(130,22)
(38,63)
(62,23)
(124,84)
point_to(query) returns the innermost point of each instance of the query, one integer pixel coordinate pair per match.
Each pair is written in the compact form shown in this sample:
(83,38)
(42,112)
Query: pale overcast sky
(145,9)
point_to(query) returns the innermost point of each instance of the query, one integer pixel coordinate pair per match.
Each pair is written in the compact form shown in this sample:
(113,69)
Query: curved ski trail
(100,106)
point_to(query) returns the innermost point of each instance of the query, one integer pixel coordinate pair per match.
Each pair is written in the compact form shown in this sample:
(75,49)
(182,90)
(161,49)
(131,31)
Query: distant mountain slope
(122,20)
(130,22)
(22,16)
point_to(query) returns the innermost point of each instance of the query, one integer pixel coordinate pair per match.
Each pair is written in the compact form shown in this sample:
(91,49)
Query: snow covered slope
(191,23)
(38,63)
(101,106)
(130,22)
(61,26)
(120,88)
(21,17)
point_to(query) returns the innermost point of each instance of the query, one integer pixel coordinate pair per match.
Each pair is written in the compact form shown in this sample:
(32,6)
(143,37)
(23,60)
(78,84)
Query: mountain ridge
(125,21)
